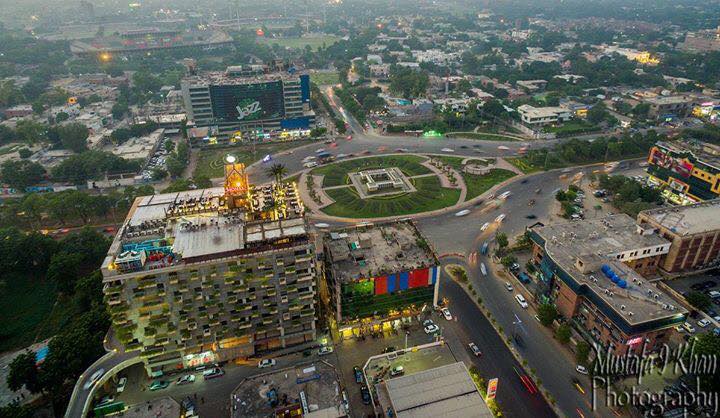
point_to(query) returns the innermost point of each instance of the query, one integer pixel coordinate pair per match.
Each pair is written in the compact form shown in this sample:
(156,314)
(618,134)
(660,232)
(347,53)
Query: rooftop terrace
(168,229)
(219,78)
(377,250)
(587,251)
(688,220)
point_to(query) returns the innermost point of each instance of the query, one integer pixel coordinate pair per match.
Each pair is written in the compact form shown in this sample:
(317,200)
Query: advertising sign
(248,102)
(492,388)
(666,161)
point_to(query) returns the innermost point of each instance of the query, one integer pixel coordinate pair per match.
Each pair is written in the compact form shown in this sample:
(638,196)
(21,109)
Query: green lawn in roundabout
(428,197)
(336,174)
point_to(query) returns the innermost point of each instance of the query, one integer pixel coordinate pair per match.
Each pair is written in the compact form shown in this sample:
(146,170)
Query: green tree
(597,113)
(502,240)
(708,345)
(563,333)
(202,182)
(169,145)
(64,270)
(20,174)
(547,313)
(276,172)
(24,372)
(158,173)
(174,166)
(24,153)
(73,136)
(119,109)
(641,110)
(699,300)
(30,131)
(582,352)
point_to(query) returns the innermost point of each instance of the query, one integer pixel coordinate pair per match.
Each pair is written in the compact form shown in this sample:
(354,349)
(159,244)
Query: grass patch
(26,309)
(325,78)
(573,127)
(429,196)
(211,160)
(524,165)
(337,174)
(314,42)
(477,185)
(482,136)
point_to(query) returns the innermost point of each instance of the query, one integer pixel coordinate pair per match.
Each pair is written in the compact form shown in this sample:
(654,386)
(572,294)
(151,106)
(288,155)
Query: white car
(504,195)
(94,378)
(431,329)
(500,218)
(325,350)
(581,369)
(188,378)
(121,384)
(509,287)
(462,213)
(322,225)
(447,150)
(703,323)
(474,348)
(268,362)
(485,226)
(446,313)
(319,151)
(310,164)
(521,301)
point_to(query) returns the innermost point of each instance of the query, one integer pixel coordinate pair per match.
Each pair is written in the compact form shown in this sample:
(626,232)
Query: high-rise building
(377,276)
(689,170)
(213,274)
(248,103)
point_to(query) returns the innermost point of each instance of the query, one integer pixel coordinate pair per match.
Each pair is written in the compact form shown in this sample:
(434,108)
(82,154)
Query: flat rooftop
(692,219)
(701,152)
(599,242)
(168,229)
(223,78)
(541,112)
(377,250)
(318,382)
(446,391)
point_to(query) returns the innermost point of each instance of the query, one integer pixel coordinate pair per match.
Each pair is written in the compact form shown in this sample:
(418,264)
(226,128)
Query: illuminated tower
(236,182)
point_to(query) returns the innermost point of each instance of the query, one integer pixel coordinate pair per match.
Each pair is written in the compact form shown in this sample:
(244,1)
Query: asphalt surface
(496,360)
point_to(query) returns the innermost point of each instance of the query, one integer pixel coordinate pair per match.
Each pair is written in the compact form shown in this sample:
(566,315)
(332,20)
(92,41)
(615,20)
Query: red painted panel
(418,278)
(380,285)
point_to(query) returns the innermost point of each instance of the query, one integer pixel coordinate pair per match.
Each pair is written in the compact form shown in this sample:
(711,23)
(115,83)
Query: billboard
(664,160)
(247,102)
(492,388)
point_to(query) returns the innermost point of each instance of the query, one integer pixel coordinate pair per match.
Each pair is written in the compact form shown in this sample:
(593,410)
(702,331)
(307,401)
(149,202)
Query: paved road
(496,360)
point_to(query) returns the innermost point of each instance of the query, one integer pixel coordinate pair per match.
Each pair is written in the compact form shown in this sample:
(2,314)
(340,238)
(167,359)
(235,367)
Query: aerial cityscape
(359,208)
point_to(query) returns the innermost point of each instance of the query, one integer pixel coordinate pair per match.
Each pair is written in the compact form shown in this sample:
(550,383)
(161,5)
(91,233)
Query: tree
(547,313)
(699,300)
(24,153)
(408,82)
(641,110)
(19,174)
(158,173)
(73,136)
(169,145)
(276,171)
(202,182)
(30,131)
(24,372)
(501,239)
(508,260)
(7,134)
(582,352)
(119,109)
(563,333)
(174,166)
(597,113)
(708,345)
(64,270)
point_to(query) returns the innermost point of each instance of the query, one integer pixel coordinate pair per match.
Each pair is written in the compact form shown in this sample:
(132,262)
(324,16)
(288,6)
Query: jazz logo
(248,110)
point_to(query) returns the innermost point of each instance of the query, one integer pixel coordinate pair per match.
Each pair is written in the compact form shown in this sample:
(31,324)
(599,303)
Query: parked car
(268,362)
(703,323)
(121,384)
(521,301)
(213,373)
(397,371)
(446,313)
(689,328)
(389,349)
(159,384)
(509,287)
(431,329)
(581,369)
(325,350)
(365,393)
(474,348)
(184,380)
(358,374)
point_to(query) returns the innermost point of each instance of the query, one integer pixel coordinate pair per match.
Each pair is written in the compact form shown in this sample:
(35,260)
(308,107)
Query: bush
(563,333)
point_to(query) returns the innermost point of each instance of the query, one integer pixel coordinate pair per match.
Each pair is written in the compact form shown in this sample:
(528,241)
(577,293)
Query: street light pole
(406,335)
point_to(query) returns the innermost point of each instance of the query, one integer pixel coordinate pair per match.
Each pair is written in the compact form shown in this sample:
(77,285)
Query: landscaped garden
(337,174)
(428,197)
(211,161)
(477,185)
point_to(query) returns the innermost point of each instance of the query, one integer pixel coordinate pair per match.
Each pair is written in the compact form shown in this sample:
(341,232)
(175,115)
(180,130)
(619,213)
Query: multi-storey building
(592,271)
(210,275)
(378,276)
(690,170)
(248,104)
(694,232)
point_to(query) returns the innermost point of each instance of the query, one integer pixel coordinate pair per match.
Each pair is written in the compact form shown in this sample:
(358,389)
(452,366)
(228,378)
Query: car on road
(703,323)
(339,156)
(523,181)
(213,373)
(500,218)
(268,362)
(431,329)
(365,394)
(322,225)
(94,378)
(446,313)
(390,349)
(581,369)
(521,301)
(310,164)
(447,150)
(397,371)
(105,400)
(462,213)
(485,226)
(358,374)
(184,380)
(159,384)
(531,216)
(504,195)
(474,349)
(509,287)
(578,385)
(325,350)
(319,150)
(121,385)
(689,328)
(483,269)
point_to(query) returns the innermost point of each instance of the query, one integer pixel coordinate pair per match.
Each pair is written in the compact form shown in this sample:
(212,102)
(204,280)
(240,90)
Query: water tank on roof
(606,269)
(614,278)
(622,284)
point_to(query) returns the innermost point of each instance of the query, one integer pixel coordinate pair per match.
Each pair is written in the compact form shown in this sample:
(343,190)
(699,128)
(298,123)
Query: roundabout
(398,185)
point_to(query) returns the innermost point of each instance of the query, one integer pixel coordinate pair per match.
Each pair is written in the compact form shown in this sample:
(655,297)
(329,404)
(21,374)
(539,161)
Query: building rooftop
(541,112)
(688,220)
(446,391)
(165,230)
(376,250)
(233,76)
(701,152)
(668,100)
(584,249)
